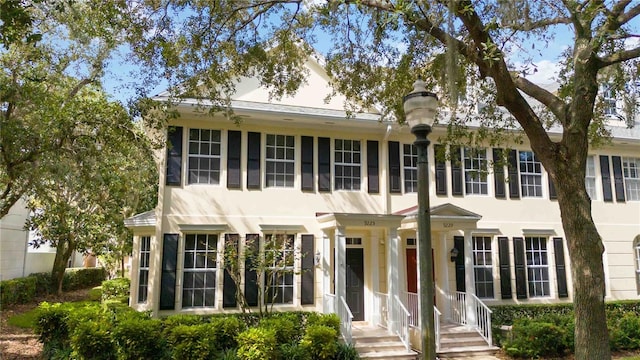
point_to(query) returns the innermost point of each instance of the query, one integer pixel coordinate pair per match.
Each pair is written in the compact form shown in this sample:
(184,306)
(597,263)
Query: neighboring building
(18,258)
(343,191)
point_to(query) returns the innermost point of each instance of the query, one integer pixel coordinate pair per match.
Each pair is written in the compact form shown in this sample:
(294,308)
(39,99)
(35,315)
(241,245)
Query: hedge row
(24,290)
(115,332)
(116,290)
(540,331)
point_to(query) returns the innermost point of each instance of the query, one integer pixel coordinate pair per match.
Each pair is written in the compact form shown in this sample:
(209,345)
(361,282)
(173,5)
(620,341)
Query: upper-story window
(280,161)
(590,178)
(475,171)
(631,171)
(410,162)
(204,156)
(609,100)
(347,158)
(200,265)
(530,174)
(483,266)
(537,266)
(279,258)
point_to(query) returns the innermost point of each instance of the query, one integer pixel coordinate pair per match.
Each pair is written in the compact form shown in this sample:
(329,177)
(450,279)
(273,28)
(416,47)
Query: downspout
(385,169)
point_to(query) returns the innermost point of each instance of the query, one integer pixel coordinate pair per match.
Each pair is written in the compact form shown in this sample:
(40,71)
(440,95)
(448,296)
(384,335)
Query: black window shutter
(174,156)
(606,178)
(617,178)
(373,180)
(229,287)
(394,167)
(252,247)
(307,163)
(234,147)
(441,169)
(521,271)
(324,164)
(307,284)
(456,171)
(552,190)
(253,160)
(561,272)
(498,173)
(505,267)
(514,181)
(458,243)
(169,264)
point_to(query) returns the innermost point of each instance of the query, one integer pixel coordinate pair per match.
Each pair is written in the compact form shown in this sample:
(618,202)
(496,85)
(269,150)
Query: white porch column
(443,271)
(341,264)
(469,280)
(325,263)
(374,313)
(392,275)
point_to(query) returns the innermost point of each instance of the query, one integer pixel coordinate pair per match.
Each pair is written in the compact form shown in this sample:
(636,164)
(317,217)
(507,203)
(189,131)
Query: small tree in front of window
(274,267)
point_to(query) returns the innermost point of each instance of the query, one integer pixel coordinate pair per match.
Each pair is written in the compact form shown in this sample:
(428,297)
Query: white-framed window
(410,164)
(280,160)
(347,159)
(475,170)
(590,178)
(483,266)
(537,266)
(204,156)
(530,174)
(631,172)
(280,258)
(200,270)
(609,101)
(636,252)
(143,268)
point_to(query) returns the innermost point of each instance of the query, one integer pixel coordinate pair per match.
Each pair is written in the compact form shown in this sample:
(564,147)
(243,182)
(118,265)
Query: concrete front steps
(461,342)
(373,342)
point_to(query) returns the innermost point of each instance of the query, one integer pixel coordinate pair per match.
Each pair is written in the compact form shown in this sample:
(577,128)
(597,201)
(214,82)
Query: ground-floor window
(636,247)
(200,265)
(279,257)
(537,266)
(143,269)
(483,266)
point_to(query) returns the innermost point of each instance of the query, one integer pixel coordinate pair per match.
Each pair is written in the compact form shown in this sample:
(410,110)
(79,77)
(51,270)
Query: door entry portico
(355,282)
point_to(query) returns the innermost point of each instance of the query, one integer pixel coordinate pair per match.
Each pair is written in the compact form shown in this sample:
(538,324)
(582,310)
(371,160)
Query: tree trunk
(585,251)
(63,253)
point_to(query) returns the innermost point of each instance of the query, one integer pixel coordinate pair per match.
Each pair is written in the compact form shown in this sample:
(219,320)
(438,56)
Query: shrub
(17,291)
(82,278)
(286,327)
(330,320)
(347,352)
(533,339)
(51,325)
(321,341)
(229,354)
(294,351)
(625,332)
(257,344)
(92,340)
(193,342)
(43,282)
(116,289)
(227,330)
(139,338)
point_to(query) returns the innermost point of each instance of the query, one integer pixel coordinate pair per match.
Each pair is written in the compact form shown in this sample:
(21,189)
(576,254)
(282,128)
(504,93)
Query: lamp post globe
(420,108)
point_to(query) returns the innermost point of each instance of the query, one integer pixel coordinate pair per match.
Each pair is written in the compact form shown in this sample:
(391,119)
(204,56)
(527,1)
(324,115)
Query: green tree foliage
(479,49)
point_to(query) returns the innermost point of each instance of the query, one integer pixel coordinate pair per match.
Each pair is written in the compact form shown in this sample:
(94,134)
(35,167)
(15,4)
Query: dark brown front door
(355,282)
(412,271)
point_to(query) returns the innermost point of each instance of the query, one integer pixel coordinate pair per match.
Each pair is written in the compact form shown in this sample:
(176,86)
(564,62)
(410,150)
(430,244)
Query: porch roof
(329,220)
(145,219)
(443,212)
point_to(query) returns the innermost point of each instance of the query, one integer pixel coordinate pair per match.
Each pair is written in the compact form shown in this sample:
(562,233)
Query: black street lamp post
(420,109)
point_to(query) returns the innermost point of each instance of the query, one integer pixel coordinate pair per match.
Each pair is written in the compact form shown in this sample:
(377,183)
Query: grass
(631,358)
(95,294)
(26,320)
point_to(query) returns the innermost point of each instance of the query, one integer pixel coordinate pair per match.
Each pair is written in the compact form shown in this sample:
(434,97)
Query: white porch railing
(414,309)
(329,304)
(346,317)
(459,314)
(436,325)
(402,317)
(381,306)
(483,318)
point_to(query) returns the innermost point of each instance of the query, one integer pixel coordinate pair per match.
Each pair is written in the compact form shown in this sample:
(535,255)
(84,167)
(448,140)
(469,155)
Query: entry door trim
(355,293)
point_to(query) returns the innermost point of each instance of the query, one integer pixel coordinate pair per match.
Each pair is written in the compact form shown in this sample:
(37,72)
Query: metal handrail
(381,305)
(347,317)
(436,325)
(329,305)
(483,320)
(403,330)
(414,309)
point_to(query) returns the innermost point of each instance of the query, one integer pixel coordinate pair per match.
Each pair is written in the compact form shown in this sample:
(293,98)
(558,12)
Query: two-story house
(342,190)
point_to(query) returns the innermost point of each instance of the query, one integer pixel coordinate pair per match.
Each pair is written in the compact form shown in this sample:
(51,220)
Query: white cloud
(541,72)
